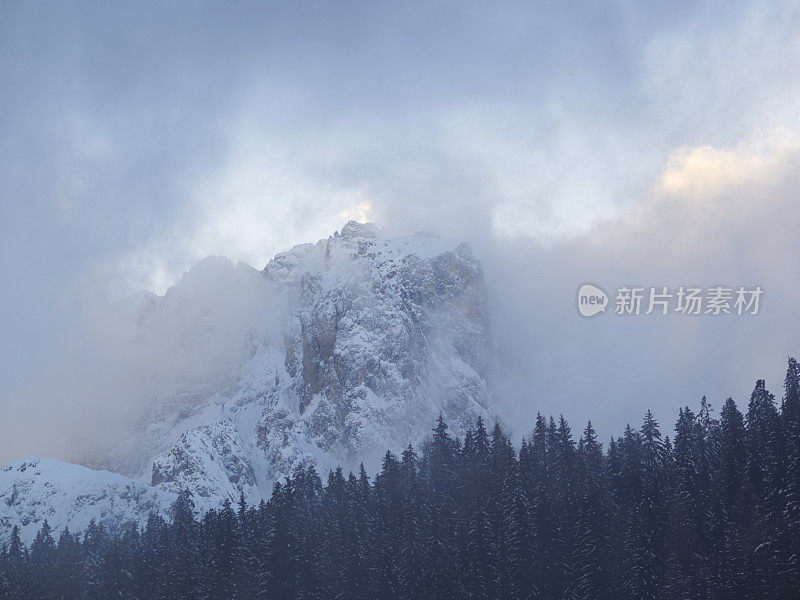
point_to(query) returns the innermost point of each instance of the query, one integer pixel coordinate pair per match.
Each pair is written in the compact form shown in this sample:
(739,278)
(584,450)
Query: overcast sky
(649,143)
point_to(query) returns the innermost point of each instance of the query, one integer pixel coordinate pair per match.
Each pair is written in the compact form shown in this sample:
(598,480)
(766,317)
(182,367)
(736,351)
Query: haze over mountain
(629,143)
(346,348)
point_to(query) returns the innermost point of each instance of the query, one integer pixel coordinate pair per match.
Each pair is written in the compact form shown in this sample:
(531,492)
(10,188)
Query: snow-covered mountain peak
(333,353)
(358,246)
(354,229)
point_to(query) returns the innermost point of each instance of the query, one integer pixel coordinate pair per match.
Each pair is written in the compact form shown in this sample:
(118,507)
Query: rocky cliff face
(377,338)
(352,345)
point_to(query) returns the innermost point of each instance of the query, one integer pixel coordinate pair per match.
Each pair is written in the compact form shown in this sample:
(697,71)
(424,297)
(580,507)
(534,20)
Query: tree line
(712,514)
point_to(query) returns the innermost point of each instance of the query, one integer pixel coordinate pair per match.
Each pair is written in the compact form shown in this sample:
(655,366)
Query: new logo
(591,300)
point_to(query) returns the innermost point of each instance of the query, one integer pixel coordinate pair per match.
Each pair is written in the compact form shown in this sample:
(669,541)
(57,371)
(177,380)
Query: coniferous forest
(712,513)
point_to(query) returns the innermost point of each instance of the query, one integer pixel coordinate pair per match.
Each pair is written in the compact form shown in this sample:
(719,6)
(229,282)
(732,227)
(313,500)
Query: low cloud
(614,145)
(703,173)
(732,221)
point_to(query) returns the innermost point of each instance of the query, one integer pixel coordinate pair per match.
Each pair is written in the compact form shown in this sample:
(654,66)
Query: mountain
(333,353)
(34,489)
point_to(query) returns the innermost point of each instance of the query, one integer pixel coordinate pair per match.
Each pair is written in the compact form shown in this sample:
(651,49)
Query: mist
(121,358)
(612,145)
(126,369)
(610,369)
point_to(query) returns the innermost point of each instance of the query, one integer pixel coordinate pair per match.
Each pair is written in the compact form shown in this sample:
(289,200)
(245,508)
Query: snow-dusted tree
(593,549)
(182,578)
(410,559)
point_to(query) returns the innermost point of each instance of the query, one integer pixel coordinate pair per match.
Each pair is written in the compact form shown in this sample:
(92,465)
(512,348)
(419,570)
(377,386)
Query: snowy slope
(333,353)
(34,489)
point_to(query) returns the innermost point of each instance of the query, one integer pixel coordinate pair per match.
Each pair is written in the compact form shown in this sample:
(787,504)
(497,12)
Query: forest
(712,512)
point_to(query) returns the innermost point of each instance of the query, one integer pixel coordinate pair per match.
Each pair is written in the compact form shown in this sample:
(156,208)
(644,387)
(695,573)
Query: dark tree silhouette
(716,515)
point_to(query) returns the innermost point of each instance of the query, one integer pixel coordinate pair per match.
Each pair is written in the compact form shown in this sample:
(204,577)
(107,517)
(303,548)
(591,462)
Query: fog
(611,368)
(612,145)
(124,365)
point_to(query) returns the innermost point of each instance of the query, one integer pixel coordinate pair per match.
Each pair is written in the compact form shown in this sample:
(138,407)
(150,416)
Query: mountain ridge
(346,347)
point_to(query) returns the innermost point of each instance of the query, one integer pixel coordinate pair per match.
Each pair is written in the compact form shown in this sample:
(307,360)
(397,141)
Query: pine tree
(728,578)
(730,474)
(183,581)
(652,509)
(503,513)
(42,559)
(308,528)
(710,435)
(155,559)
(761,434)
(561,459)
(339,539)
(245,551)
(437,474)
(537,480)
(762,438)
(15,567)
(691,509)
(410,570)
(640,579)
(526,536)
(388,526)
(223,554)
(594,572)
(278,579)
(67,566)
(364,509)
(476,547)
(5,585)
(790,522)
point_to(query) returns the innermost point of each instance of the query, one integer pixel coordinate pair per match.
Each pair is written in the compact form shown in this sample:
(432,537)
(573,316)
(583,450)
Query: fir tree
(224,554)
(593,569)
(410,568)
(790,534)
(182,579)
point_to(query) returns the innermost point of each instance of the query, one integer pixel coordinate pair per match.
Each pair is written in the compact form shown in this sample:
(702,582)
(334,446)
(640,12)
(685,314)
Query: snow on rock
(34,489)
(371,340)
(211,461)
(339,350)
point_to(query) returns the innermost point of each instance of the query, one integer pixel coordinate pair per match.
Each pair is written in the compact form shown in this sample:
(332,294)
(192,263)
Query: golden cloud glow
(704,172)
(361,212)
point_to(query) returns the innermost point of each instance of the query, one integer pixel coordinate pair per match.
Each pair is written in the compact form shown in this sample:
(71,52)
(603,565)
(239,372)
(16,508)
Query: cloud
(259,203)
(611,143)
(122,361)
(713,216)
(704,172)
